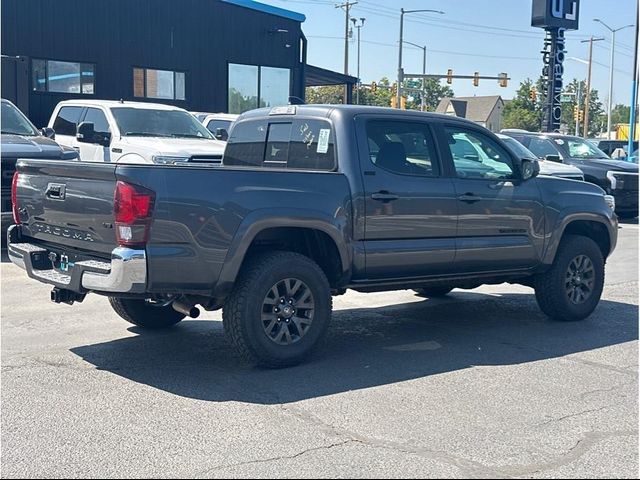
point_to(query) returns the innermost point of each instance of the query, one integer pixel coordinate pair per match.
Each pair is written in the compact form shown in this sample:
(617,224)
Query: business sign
(555,14)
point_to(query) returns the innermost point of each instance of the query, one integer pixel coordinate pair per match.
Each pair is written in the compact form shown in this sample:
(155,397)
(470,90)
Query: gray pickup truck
(311,201)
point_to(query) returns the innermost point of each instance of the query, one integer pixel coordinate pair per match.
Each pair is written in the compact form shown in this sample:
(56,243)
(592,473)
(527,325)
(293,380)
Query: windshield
(579,148)
(14,122)
(142,122)
(516,147)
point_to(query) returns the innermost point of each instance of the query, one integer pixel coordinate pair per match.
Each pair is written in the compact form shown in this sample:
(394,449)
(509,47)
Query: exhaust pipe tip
(186,309)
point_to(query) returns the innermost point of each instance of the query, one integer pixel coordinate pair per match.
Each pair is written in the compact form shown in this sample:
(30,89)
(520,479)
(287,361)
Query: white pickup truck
(135,132)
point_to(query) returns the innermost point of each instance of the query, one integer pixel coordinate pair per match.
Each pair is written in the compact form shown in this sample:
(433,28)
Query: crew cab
(133,132)
(618,178)
(21,139)
(311,201)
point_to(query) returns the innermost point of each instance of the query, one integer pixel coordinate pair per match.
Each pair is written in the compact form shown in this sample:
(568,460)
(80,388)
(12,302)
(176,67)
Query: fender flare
(566,218)
(336,227)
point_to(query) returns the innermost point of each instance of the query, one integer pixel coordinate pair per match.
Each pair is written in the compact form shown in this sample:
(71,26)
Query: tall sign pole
(555,17)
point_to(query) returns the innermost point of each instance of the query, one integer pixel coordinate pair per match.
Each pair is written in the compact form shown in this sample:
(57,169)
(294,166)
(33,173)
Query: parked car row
(617,178)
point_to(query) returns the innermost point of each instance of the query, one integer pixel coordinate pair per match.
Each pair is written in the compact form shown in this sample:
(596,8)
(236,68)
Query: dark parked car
(618,178)
(21,139)
(610,146)
(311,201)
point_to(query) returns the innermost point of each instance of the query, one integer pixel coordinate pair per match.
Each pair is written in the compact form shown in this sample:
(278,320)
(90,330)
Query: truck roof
(343,110)
(118,103)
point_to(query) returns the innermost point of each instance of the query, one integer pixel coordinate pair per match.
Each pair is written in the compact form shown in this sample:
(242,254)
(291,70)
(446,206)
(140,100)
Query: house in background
(486,111)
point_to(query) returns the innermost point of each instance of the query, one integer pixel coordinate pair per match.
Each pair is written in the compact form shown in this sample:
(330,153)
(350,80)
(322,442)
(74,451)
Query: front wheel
(571,289)
(145,314)
(279,309)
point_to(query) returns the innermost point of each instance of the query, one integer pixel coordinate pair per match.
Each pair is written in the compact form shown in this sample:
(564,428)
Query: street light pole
(347,8)
(424,72)
(613,47)
(400,74)
(359,27)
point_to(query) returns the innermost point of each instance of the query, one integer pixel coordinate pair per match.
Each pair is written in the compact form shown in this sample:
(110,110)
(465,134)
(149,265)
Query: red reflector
(14,198)
(132,208)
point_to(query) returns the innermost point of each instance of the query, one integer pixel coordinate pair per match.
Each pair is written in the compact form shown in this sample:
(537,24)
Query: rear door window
(301,144)
(67,121)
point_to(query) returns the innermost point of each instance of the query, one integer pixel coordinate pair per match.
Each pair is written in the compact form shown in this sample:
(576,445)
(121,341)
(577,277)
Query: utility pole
(347,8)
(578,105)
(613,47)
(359,27)
(588,92)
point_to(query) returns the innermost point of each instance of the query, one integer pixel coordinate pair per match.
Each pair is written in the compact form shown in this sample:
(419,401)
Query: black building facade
(202,55)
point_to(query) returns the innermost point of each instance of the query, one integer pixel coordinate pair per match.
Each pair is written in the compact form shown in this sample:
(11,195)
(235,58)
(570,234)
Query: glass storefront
(251,86)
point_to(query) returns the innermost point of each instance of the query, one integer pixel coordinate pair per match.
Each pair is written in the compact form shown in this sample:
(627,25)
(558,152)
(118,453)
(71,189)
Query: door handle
(384,196)
(469,198)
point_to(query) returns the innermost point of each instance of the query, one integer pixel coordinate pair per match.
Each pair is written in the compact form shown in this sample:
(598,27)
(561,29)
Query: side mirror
(87,134)
(48,132)
(529,168)
(553,158)
(221,134)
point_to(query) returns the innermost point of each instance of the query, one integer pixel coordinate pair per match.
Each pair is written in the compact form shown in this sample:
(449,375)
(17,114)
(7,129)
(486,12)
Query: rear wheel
(571,288)
(145,314)
(279,310)
(433,292)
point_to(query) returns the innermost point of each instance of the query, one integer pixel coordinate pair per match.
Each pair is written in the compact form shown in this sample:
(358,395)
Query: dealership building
(203,55)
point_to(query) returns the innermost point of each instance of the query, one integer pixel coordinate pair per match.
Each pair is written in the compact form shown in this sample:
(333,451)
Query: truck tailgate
(68,203)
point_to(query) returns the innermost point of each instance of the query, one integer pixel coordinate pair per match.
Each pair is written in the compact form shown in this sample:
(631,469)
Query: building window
(163,84)
(252,86)
(63,77)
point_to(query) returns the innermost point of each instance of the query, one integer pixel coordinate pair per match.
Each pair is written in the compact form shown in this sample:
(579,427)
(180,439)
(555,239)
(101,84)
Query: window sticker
(323,140)
(559,141)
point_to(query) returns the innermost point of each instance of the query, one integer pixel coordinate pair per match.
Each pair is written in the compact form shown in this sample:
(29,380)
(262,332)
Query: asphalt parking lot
(479,384)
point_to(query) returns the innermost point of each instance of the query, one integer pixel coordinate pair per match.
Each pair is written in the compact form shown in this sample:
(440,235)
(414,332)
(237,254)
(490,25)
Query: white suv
(133,132)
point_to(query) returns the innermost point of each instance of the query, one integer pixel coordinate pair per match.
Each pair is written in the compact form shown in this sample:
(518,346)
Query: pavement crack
(571,415)
(278,458)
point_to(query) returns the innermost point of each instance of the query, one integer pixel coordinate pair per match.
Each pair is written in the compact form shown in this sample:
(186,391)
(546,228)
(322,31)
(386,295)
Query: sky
(485,36)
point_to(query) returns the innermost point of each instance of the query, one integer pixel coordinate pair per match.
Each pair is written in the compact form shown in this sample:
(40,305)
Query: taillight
(14,198)
(132,209)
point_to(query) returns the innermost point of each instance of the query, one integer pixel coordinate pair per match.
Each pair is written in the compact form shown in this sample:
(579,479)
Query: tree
(597,116)
(332,95)
(620,114)
(524,111)
(433,90)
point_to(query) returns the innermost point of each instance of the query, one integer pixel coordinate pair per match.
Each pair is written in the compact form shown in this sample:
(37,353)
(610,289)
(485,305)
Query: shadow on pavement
(365,348)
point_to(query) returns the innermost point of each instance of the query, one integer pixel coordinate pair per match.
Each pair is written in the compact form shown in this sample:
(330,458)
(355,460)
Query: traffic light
(581,116)
(374,87)
(449,76)
(533,94)
(503,79)
(476,79)
(576,112)
(403,102)
(394,89)
(394,102)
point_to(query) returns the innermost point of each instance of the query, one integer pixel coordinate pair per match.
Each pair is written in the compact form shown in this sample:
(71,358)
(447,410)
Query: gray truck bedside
(311,201)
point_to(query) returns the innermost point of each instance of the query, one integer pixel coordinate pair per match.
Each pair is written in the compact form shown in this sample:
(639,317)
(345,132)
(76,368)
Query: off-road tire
(551,286)
(143,315)
(243,309)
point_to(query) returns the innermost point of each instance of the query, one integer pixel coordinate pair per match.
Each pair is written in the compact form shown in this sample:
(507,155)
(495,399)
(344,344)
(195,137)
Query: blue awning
(270,9)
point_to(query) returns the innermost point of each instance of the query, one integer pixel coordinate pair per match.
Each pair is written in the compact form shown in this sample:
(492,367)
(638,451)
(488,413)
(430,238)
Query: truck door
(501,218)
(410,207)
(95,151)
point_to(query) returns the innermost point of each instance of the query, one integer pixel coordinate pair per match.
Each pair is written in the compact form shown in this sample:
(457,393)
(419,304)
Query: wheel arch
(594,226)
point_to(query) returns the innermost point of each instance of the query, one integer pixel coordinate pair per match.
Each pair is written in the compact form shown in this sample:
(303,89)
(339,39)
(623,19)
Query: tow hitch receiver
(60,295)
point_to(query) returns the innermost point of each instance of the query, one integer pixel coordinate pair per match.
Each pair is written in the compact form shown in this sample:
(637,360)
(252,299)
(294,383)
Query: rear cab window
(283,143)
